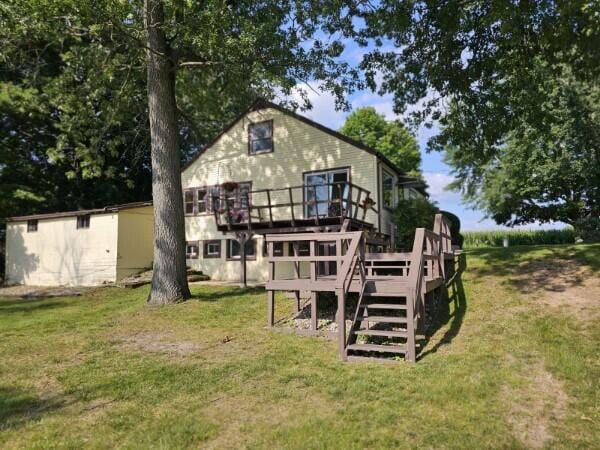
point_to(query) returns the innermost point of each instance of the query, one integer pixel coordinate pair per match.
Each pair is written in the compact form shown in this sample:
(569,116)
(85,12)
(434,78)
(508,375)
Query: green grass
(476,239)
(104,370)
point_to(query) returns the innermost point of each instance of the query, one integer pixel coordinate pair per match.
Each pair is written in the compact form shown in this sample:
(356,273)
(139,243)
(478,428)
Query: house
(276,168)
(82,248)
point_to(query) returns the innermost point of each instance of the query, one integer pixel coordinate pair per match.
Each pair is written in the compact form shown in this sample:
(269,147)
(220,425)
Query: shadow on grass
(457,298)
(18,407)
(527,269)
(212,295)
(31,305)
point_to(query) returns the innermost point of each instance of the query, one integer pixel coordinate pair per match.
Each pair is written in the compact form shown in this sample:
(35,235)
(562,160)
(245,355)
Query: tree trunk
(169,279)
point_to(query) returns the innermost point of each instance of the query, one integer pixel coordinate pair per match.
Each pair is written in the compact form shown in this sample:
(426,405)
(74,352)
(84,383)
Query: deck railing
(316,203)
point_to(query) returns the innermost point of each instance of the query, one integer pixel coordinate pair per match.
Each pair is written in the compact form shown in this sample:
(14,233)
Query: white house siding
(298,148)
(59,254)
(115,245)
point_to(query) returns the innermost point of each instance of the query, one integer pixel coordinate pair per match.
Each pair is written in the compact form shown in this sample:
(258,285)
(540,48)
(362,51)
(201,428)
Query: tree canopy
(391,138)
(513,87)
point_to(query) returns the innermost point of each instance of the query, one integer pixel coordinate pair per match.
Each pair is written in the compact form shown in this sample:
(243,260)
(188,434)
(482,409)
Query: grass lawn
(514,364)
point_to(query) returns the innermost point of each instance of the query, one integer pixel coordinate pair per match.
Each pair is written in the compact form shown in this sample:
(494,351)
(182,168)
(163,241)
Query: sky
(436,172)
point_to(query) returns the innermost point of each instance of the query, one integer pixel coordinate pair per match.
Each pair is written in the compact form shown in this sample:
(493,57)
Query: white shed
(80,248)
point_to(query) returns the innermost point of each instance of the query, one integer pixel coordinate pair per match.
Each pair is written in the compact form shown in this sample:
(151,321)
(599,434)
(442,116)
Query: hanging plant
(229,186)
(368,203)
(237,215)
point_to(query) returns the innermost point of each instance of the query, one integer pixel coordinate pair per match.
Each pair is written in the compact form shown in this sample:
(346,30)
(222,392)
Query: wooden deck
(394,285)
(322,207)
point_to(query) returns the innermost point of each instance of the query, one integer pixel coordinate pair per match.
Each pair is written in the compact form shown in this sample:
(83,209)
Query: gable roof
(264,104)
(82,212)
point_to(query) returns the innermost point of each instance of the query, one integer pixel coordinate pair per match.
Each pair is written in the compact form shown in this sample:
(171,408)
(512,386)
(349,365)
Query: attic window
(83,221)
(32,226)
(260,137)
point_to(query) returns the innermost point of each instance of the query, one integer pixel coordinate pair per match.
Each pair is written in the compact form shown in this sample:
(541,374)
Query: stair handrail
(349,263)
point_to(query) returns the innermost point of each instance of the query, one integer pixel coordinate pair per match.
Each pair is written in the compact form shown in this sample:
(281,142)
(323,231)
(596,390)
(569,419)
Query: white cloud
(438,182)
(323,105)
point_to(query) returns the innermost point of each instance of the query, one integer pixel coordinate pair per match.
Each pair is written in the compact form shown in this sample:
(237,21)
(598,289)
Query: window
(387,188)
(277,249)
(326,193)
(32,226)
(202,201)
(233,249)
(188,199)
(260,137)
(213,201)
(304,248)
(206,200)
(212,249)
(191,250)
(83,221)
(326,267)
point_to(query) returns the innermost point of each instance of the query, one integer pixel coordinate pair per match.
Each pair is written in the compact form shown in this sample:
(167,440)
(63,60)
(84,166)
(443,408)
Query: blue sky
(435,171)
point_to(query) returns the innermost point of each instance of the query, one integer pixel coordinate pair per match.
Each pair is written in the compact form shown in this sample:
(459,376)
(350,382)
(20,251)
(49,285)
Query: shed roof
(56,215)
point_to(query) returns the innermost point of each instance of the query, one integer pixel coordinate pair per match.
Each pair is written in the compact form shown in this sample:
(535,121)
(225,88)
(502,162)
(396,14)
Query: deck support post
(313,311)
(411,349)
(270,308)
(341,321)
(296,252)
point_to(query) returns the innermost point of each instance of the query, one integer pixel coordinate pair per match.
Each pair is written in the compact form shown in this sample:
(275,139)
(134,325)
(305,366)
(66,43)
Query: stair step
(384,294)
(386,333)
(383,319)
(354,358)
(384,306)
(378,348)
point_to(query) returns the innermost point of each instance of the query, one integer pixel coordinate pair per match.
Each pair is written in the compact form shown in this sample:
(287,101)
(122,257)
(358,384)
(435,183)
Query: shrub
(411,214)
(588,229)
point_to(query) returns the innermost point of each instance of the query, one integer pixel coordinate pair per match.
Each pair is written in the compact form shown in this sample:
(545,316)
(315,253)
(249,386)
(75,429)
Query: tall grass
(474,239)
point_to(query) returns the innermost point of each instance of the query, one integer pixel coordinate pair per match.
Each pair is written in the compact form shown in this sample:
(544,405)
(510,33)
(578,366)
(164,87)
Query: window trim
(340,169)
(188,255)
(32,225)
(275,251)
(83,221)
(228,256)
(209,204)
(194,201)
(263,152)
(205,202)
(205,245)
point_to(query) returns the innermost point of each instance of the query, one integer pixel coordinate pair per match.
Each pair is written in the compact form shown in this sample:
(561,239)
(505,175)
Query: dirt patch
(243,418)
(539,403)
(158,342)
(563,284)
(28,292)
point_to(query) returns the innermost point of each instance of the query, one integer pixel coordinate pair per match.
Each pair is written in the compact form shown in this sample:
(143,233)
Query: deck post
(411,350)
(270,308)
(296,273)
(313,311)
(341,322)
(242,241)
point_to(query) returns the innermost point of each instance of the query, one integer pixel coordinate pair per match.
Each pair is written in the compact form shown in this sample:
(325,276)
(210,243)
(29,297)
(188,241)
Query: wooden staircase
(392,287)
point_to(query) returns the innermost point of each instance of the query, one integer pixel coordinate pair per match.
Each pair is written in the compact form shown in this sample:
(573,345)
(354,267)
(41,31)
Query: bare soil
(563,284)
(535,406)
(158,342)
(21,291)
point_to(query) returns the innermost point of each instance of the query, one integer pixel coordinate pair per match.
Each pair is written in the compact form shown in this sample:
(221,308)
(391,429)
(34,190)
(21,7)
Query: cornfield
(474,239)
